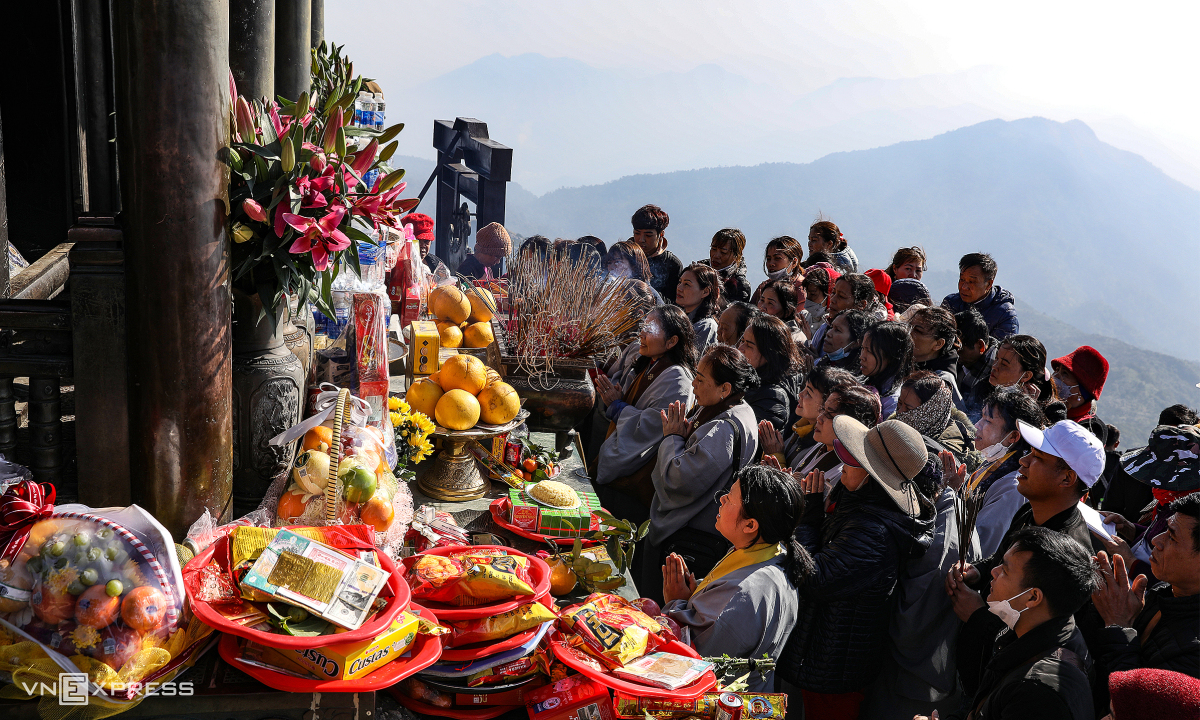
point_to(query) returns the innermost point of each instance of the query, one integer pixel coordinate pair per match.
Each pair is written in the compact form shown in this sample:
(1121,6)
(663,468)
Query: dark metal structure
(252,46)
(471,167)
(293,38)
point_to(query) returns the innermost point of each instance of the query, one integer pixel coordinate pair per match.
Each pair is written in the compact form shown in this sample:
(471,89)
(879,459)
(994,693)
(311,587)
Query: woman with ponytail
(747,604)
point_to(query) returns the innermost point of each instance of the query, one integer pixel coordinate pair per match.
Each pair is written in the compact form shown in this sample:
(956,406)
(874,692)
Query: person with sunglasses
(747,604)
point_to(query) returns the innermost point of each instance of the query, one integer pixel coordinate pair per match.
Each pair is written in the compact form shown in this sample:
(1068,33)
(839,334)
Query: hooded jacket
(734,285)
(998,309)
(858,549)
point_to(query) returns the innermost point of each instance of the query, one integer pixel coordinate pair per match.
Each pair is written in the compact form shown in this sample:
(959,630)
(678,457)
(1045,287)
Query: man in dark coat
(1036,667)
(976,275)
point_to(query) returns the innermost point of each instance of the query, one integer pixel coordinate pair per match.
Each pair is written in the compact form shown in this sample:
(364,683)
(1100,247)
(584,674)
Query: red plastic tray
(426,650)
(539,573)
(456,711)
(468,653)
(691,691)
(372,627)
(499,518)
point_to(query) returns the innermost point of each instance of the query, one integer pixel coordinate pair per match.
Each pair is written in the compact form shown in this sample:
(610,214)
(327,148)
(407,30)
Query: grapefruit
(478,335)
(457,410)
(423,396)
(291,505)
(431,299)
(452,305)
(492,377)
(483,304)
(451,336)
(464,372)
(436,378)
(499,403)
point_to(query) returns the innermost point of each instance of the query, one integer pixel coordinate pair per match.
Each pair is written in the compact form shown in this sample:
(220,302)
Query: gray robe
(749,612)
(919,672)
(1000,503)
(639,426)
(688,473)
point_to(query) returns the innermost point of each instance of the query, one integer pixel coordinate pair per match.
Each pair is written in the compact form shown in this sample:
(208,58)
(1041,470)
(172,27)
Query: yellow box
(349,661)
(426,342)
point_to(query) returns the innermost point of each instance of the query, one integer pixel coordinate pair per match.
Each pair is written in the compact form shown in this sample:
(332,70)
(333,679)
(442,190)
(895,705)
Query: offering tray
(455,476)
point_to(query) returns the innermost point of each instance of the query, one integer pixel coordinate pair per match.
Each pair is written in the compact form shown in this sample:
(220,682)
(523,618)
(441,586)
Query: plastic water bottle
(364,110)
(379,111)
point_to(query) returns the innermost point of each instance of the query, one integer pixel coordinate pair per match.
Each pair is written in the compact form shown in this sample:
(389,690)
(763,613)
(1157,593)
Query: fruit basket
(425,651)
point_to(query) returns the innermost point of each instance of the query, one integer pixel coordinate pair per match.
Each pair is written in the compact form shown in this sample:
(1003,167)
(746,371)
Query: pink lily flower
(281,126)
(310,192)
(320,237)
(254,210)
(280,226)
(318,160)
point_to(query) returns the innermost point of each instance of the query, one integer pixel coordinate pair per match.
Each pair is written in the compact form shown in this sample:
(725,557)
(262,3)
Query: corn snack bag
(612,629)
(469,579)
(497,627)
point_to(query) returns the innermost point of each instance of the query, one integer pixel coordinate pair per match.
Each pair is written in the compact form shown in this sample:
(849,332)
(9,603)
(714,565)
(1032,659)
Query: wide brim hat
(892,453)
(1171,461)
(1088,365)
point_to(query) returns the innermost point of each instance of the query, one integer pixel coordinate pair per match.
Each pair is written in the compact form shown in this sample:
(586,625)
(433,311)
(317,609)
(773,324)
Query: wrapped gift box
(529,515)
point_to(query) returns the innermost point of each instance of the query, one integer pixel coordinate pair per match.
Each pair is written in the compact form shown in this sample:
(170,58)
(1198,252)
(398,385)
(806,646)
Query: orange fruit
(372,458)
(319,438)
(478,335)
(499,403)
(463,372)
(291,505)
(436,378)
(529,464)
(492,377)
(451,336)
(562,577)
(378,512)
(96,607)
(451,305)
(52,607)
(423,396)
(483,304)
(457,410)
(144,608)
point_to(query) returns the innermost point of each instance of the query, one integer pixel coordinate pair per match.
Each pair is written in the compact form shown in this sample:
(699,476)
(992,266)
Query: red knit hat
(883,281)
(1153,694)
(1087,364)
(422,225)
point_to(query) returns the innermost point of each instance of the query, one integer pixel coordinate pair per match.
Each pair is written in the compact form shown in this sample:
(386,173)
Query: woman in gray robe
(662,375)
(747,605)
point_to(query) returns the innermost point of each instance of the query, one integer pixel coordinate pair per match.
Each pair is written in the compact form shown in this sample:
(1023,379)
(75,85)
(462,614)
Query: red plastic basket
(498,516)
(456,711)
(477,651)
(539,573)
(425,651)
(695,689)
(218,551)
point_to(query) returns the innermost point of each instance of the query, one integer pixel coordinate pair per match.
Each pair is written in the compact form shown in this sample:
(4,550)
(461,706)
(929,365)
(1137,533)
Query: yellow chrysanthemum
(397,418)
(61,579)
(393,403)
(423,452)
(423,423)
(85,636)
(403,408)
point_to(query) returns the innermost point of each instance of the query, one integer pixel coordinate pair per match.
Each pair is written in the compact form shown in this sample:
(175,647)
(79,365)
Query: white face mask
(1006,612)
(991,452)
(778,274)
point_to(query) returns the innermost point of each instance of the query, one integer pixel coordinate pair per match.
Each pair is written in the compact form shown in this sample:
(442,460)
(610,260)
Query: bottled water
(364,110)
(379,111)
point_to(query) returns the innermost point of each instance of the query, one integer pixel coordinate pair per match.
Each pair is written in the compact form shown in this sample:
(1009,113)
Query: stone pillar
(293,36)
(318,23)
(172,111)
(252,47)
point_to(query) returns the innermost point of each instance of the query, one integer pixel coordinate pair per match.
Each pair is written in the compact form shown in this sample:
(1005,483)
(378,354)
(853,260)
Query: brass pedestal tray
(455,476)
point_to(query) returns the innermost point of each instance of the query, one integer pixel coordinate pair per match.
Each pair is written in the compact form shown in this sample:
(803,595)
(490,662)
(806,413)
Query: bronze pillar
(293,34)
(252,46)
(317,22)
(172,110)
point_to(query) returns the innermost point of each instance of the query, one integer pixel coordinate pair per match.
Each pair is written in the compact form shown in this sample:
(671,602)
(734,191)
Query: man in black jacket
(1159,627)
(1038,667)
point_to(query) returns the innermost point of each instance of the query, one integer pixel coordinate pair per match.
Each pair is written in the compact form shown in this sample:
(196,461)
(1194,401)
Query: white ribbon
(325,404)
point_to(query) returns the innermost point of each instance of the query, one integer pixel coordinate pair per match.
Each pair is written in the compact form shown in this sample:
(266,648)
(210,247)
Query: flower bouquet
(412,430)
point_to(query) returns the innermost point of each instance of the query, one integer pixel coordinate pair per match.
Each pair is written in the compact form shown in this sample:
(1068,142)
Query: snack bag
(612,630)
(509,672)
(469,579)
(497,627)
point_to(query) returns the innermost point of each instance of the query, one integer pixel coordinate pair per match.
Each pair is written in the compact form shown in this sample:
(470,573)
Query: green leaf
(609,584)
(645,528)
(576,548)
(260,151)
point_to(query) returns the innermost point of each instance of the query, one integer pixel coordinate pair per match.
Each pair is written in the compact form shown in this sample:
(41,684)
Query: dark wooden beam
(293,39)
(252,47)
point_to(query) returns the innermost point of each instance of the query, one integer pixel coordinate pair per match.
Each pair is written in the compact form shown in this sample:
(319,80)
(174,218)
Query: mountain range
(1097,243)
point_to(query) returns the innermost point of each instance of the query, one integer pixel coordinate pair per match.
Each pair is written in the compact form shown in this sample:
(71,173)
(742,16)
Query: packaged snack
(497,627)
(664,670)
(572,698)
(755,706)
(321,579)
(507,673)
(348,661)
(371,311)
(612,629)
(529,515)
(469,579)
(516,696)
(425,347)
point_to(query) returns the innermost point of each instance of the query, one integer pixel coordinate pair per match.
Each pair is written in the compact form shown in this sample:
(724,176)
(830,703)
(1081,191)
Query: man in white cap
(1063,462)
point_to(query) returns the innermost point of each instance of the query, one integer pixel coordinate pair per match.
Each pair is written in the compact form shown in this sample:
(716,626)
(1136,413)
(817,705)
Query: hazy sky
(1136,60)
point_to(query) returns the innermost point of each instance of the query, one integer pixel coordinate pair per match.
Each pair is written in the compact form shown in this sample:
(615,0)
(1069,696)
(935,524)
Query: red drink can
(729,707)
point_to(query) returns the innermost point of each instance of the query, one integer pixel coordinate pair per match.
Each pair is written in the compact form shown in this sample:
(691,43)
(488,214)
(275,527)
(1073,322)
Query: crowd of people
(905,504)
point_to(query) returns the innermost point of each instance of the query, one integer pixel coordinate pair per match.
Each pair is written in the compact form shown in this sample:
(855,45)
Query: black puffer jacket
(776,402)
(845,606)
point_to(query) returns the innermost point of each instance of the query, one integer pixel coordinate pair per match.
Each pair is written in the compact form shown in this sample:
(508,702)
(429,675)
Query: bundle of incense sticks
(564,309)
(967,503)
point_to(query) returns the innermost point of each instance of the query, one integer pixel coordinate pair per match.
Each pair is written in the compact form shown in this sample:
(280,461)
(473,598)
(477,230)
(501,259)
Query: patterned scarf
(931,417)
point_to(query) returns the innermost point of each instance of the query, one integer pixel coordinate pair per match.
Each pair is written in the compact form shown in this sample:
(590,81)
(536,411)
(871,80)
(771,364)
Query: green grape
(58,548)
(82,538)
(89,577)
(114,588)
(75,588)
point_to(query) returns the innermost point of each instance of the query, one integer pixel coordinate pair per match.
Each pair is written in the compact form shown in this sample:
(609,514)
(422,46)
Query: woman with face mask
(725,256)
(782,262)
(840,346)
(849,292)
(1000,442)
(1021,363)
(662,375)
(699,454)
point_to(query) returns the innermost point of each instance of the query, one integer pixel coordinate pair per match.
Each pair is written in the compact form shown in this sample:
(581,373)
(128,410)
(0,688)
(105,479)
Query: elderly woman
(746,606)
(662,375)
(699,455)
